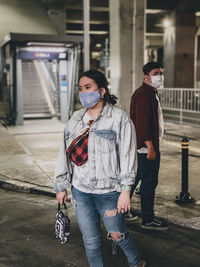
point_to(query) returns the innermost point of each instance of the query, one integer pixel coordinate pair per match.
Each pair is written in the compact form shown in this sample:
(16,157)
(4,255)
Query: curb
(179,136)
(23,187)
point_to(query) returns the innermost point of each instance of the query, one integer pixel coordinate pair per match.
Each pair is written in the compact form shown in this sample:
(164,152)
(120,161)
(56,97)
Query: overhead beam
(76,21)
(153,34)
(93,8)
(91,32)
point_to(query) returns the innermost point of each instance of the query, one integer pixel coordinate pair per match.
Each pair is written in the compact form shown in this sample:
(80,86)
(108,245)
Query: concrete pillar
(86,31)
(19,106)
(64,91)
(169,50)
(126,53)
(139,29)
(115,63)
(179,47)
(197,60)
(57,15)
(185,47)
(126,48)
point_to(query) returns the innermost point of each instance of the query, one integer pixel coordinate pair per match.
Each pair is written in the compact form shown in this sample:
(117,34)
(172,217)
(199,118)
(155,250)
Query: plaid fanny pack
(78,149)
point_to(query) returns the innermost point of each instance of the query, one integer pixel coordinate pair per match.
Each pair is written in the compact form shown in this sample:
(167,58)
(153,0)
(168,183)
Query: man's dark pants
(148,174)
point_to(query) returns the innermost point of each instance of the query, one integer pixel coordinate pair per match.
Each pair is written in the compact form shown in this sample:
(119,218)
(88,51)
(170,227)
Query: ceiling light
(166,23)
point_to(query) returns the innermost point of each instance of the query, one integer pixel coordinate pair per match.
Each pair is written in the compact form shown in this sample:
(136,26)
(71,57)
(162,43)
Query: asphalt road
(27,238)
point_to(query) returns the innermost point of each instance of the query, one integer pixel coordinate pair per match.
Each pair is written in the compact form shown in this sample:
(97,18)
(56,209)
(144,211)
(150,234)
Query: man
(146,114)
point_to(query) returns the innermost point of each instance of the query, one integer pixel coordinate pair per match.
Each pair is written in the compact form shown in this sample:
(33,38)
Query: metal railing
(181,104)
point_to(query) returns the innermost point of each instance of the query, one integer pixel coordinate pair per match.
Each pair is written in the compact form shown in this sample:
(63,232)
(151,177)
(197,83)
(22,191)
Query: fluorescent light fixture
(44,44)
(98,45)
(154,11)
(45,49)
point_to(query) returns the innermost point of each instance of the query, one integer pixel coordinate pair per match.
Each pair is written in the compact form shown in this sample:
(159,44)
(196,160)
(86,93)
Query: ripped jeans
(89,207)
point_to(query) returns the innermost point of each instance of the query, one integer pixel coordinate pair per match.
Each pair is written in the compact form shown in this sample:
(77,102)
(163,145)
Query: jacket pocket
(106,140)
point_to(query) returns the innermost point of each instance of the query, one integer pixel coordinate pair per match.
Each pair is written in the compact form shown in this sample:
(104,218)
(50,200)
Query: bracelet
(126,187)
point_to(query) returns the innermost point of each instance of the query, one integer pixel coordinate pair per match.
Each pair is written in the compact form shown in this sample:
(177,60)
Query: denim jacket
(112,150)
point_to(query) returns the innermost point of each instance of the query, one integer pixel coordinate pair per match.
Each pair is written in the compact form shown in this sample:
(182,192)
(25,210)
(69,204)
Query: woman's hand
(61,196)
(124,202)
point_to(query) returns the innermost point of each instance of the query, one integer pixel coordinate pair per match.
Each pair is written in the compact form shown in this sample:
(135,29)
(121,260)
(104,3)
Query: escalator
(35,104)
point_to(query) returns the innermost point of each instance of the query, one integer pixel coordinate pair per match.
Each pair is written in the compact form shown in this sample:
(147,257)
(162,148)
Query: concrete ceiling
(181,5)
(156,12)
(99,13)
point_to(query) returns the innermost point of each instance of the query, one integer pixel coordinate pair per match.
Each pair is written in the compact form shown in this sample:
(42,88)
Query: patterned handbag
(62,225)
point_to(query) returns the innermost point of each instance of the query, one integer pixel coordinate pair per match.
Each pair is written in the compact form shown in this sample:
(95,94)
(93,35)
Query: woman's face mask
(157,81)
(89,99)
(89,93)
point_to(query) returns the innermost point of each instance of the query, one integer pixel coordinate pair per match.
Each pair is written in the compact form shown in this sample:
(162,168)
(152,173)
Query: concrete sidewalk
(28,155)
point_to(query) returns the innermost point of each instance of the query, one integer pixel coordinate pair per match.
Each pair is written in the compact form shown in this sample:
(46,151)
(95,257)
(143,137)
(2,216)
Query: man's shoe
(141,264)
(155,225)
(130,215)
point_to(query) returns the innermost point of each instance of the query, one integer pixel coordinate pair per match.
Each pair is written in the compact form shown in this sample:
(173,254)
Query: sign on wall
(34,55)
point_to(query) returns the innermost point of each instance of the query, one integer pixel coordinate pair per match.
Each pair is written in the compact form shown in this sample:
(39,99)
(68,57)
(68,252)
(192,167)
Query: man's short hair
(150,66)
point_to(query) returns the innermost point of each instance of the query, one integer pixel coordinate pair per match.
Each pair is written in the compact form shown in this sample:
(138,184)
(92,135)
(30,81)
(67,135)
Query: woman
(98,161)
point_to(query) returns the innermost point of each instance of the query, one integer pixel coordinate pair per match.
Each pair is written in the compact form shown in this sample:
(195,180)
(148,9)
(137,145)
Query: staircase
(34,102)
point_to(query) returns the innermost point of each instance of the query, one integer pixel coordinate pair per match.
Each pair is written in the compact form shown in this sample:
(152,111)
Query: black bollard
(184,196)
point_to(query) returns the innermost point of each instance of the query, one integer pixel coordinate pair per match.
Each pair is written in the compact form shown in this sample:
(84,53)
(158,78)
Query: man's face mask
(89,99)
(157,81)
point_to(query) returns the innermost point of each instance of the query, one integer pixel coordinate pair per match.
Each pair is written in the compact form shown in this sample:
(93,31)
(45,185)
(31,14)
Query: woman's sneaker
(155,225)
(141,264)
(130,215)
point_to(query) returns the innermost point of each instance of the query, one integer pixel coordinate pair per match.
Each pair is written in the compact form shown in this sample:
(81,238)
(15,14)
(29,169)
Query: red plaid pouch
(78,149)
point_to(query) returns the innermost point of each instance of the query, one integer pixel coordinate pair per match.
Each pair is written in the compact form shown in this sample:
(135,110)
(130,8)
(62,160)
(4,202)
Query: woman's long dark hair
(101,82)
